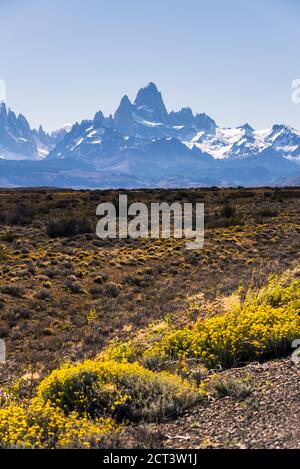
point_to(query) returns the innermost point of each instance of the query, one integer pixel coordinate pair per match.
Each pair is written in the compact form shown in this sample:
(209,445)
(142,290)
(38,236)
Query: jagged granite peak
(205,123)
(3,115)
(23,124)
(183,117)
(247,129)
(9,117)
(3,110)
(18,141)
(99,119)
(3,107)
(110,121)
(284,129)
(123,118)
(46,141)
(150,101)
(277,127)
(12,121)
(125,103)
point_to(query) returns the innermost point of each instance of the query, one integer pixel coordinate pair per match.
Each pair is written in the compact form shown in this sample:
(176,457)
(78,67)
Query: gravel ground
(268,418)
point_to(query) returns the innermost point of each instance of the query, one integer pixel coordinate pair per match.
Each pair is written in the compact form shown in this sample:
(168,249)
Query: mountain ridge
(143,143)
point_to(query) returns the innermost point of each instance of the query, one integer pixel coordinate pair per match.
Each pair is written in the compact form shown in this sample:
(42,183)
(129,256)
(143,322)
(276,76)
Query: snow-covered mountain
(18,141)
(136,124)
(245,141)
(59,134)
(145,145)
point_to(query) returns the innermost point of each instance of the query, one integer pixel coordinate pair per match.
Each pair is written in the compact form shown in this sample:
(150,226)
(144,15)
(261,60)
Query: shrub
(73,287)
(8,237)
(224,222)
(227,211)
(18,313)
(100,279)
(267,213)
(21,215)
(43,295)
(112,290)
(238,389)
(121,390)
(40,425)
(3,255)
(263,327)
(140,348)
(12,290)
(67,227)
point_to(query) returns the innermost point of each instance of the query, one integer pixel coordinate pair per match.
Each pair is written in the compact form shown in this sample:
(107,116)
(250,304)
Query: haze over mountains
(144,145)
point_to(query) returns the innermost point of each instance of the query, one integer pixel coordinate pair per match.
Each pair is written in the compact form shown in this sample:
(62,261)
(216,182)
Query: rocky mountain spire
(183,117)
(124,122)
(151,100)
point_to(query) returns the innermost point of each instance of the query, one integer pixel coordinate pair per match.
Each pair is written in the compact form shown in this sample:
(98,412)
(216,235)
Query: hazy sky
(62,60)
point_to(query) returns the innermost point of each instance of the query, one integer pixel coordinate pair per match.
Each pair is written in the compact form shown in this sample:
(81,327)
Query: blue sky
(63,60)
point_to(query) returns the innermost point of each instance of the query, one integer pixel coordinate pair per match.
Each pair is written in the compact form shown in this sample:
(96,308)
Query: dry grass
(65,297)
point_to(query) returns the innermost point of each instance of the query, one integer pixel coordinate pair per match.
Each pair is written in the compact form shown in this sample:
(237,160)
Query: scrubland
(106,338)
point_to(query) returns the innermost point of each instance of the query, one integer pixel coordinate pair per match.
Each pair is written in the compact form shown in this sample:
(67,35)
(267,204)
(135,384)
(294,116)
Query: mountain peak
(99,119)
(3,107)
(123,118)
(152,86)
(23,123)
(248,129)
(183,117)
(206,123)
(151,100)
(144,94)
(277,127)
(125,102)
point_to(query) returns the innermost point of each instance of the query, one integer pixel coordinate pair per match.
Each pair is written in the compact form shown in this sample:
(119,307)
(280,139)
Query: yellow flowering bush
(40,425)
(132,350)
(238,337)
(122,390)
(78,405)
(264,326)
